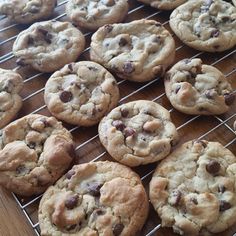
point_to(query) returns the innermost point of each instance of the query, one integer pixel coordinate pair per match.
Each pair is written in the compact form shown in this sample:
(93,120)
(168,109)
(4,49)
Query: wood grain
(12,219)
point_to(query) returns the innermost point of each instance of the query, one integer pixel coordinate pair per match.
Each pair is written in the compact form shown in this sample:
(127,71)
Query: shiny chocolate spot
(31,145)
(108,28)
(34,9)
(124,112)
(20,62)
(215,33)
(30,40)
(66,96)
(209,94)
(221,189)
(119,125)
(194,200)
(213,167)
(224,205)
(69,174)
(122,42)
(70,67)
(70,227)
(117,229)
(129,132)
(201,142)
(21,170)
(229,98)
(94,189)
(187,60)
(178,87)
(128,67)
(71,201)
(176,195)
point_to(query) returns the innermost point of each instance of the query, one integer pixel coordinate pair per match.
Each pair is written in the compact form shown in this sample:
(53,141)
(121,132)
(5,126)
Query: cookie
(193,189)
(164,4)
(198,89)
(140,50)
(81,93)
(235,125)
(138,133)
(234,2)
(99,198)
(47,46)
(11,84)
(34,152)
(25,11)
(92,14)
(206,25)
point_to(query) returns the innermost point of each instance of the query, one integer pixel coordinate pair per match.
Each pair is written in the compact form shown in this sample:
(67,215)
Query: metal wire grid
(9,56)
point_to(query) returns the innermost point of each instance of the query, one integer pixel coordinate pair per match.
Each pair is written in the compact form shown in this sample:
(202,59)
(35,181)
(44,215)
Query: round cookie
(206,25)
(193,189)
(198,89)
(49,45)
(34,152)
(11,84)
(138,133)
(99,198)
(140,50)
(164,4)
(25,11)
(92,14)
(81,93)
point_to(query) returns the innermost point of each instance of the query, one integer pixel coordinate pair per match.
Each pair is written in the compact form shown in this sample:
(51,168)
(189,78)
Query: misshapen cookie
(49,45)
(34,152)
(206,25)
(138,133)
(140,50)
(92,14)
(163,4)
(99,198)
(193,189)
(195,88)
(81,93)
(25,11)
(11,84)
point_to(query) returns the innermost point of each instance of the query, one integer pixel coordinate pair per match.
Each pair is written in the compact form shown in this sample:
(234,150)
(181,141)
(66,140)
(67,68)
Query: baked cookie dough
(140,50)
(47,46)
(195,88)
(92,14)
(27,11)
(164,4)
(34,152)
(11,84)
(138,133)
(193,189)
(81,93)
(99,198)
(234,2)
(206,25)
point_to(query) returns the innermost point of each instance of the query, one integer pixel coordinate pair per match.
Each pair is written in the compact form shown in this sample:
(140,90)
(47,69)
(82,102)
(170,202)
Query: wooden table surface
(12,220)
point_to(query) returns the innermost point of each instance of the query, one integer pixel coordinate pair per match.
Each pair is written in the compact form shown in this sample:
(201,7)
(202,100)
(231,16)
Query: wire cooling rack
(88,147)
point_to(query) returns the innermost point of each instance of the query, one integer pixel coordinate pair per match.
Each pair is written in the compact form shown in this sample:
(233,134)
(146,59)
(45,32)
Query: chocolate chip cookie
(34,152)
(195,88)
(25,11)
(11,84)
(92,14)
(49,45)
(99,198)
(164,4)
(81,93)
(206,25)
(140,50)
(138,133)
(193,189)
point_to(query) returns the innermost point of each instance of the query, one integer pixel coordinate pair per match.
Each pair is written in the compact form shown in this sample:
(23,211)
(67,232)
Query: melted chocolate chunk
(187,60)
(176,194)
(70,227)
(30,40)
(20,62)
(34,9)
(119,125)
(70,67)
(194,200)
(221,189)
(108,28)
(71,201)
(21,170)
(69,174)
(224,205)
(45,122)
(178,87)
(202,143)
(215,33)
(209,94)
(117,229)
(66,96)
(46,35)
(124,112)
(128,67)
(129,132)
(122,42)
(213,167)
(31,145)
(229,98)
(94,189)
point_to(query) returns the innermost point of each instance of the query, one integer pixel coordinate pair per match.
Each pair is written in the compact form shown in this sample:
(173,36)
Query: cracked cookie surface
(164,4)
(138,133)
(193,189)
(92,14)
(34,152)
(140,50)
(48,45)
(25,11)
(96,199)
(81,93)
(206,25)
(195,88)
(11,84)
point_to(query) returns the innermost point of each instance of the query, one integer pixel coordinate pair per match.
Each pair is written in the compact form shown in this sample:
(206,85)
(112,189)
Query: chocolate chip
(34,9)
(42,31)
(157,39)
(66,96)
(117,229)
(99,212)
(30,40)
(70,227)
(128,67)
(229,98)
(158,24)
(129,132)
(213,167)
(48,38)
(176,195)
(225,19)
(194,200)
(69,174)
(20,62)
(201,142)
(224,205)
(178,87)
(209,94)
(221,189)
(215,33)
(21,169)
(92,68)
(31,145)
(122,42)
(71,201)
(45,122)
(119,125)
(124,112)
(187,60)
(70,67)
(108,28)
(94,189)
